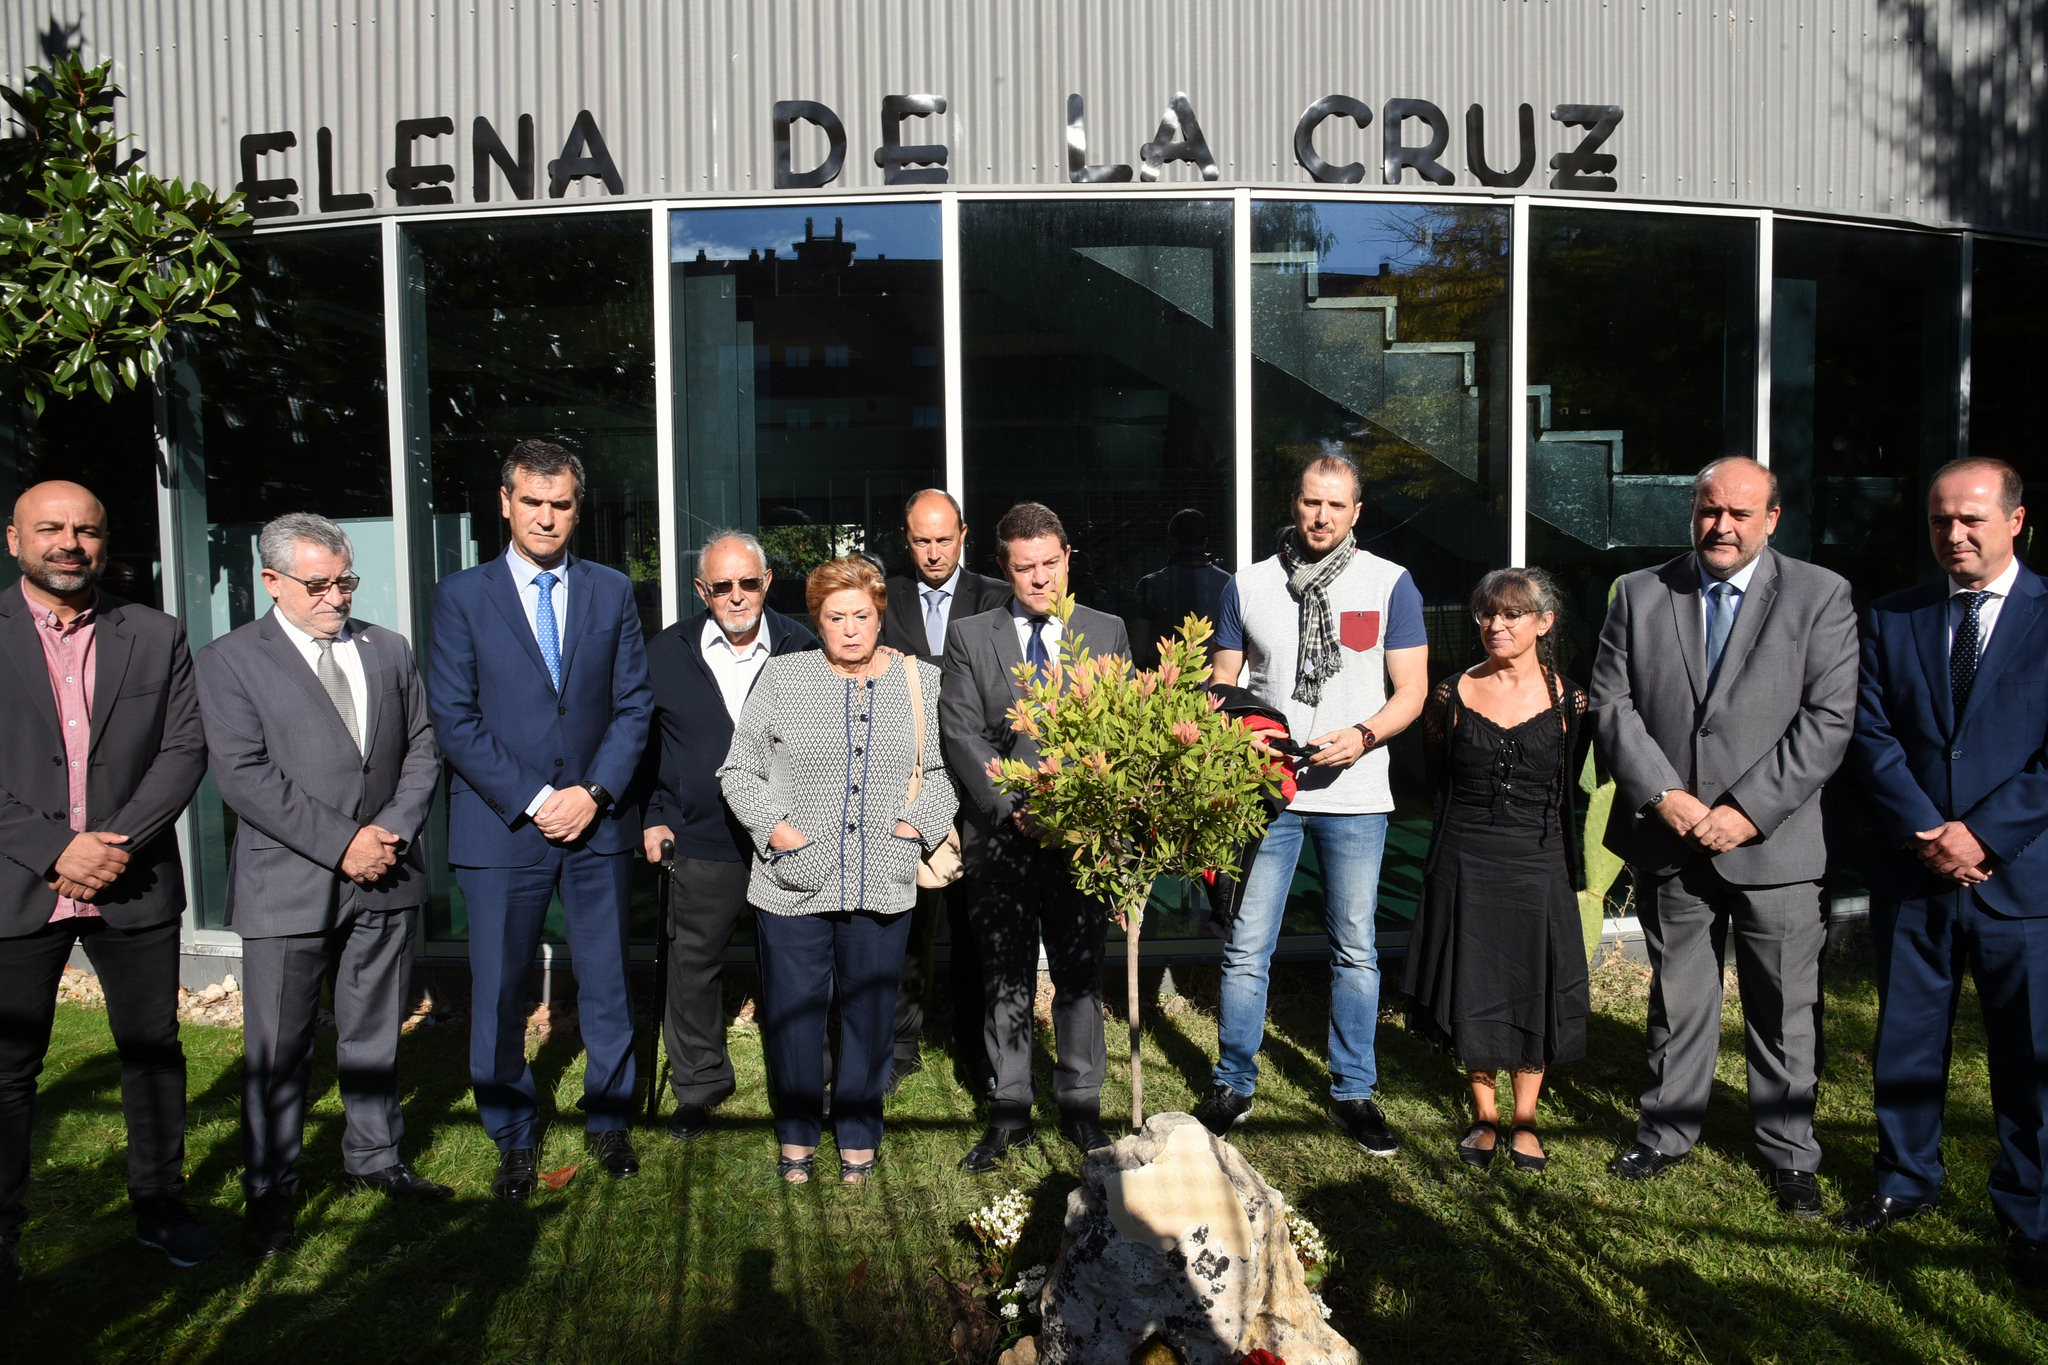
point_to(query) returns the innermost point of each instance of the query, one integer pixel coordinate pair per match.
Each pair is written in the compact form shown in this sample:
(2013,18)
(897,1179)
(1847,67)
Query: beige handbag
(940,867)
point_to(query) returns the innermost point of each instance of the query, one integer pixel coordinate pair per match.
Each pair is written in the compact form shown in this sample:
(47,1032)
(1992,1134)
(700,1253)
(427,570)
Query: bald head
(1734,511)
(937,534)
(59,537)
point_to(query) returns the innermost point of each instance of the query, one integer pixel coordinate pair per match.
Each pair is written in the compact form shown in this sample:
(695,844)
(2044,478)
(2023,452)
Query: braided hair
(1532,589)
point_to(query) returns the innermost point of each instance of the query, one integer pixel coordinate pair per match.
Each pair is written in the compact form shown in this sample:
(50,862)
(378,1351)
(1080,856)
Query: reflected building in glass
(775,296)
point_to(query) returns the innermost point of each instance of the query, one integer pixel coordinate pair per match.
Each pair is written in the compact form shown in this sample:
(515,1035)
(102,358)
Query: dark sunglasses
(318,587)
(724,586)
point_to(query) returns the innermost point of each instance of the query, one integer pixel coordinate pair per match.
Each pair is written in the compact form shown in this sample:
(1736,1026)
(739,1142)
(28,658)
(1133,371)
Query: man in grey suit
(1023,890)
(1724,694)
(317,731)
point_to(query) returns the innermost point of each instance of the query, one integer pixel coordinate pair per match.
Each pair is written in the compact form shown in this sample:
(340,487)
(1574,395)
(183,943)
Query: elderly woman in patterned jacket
(836,771)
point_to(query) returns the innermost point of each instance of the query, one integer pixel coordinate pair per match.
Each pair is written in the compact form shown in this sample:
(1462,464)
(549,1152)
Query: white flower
(1001,1224)
(1010,1311)
(1321,1307)
(1307,1240)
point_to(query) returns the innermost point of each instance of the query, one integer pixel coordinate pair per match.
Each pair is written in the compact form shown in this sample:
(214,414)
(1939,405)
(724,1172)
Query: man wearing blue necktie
(1952,747)
(922,604)
(539,693)
(1723,696)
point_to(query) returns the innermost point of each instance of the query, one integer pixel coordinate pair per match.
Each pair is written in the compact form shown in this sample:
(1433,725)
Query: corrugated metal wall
(1926,109)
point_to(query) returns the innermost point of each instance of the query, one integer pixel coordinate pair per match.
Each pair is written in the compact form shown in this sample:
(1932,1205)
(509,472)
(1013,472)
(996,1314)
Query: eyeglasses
(1511,615)
(725,586)
(319,587)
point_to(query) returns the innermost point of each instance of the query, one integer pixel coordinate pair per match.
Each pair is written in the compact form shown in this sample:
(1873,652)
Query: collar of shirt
(1739,580)
(46,617)
(2000,587)
(1050,634)
(714,637)
(304,639)
(524,570)
(951,587)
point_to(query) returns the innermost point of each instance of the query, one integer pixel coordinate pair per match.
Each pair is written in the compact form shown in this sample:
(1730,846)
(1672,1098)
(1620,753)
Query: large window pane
(1863,395)
(280,410)
(808,383)
(1642,367)
(2008,401)
(541,326)
(1379,331)
(111,449)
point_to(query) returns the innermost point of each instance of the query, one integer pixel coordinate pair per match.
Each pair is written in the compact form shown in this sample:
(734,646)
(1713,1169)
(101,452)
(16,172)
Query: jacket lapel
(111,647)
(581,589)
(1930,633)
(1682,578)
(1009,653)
(299,676)
(24,653)
(377,671)
(1749,623)
(2016,619)
(504,595)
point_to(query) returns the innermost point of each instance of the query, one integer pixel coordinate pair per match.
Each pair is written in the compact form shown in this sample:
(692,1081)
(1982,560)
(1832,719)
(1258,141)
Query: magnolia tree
(1140,777)
(99,260)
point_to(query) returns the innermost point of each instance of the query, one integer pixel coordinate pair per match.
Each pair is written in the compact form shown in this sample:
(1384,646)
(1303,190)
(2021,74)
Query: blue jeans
(1349,848)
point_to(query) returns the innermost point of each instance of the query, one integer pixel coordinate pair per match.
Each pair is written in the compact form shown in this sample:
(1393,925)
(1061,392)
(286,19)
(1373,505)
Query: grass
(706,1258)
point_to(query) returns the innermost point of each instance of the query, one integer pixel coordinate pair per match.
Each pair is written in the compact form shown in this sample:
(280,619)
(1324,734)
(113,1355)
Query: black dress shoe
(166,1225)
(900,1072)
(267,1227)
(690,1121)
(402,1180)
(1798,1192)
(518,1174)
(1642,1162)
(1879,1212)
(1085,1131)
(614,1151)
(985,1155)
(2029,1261)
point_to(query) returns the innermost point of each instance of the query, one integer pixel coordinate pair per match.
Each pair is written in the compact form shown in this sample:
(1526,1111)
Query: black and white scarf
(1317,658)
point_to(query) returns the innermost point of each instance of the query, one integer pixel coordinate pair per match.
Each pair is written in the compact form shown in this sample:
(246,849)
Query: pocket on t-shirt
(1359,630)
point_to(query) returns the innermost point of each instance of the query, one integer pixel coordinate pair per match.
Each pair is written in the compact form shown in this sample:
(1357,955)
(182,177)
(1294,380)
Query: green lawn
(706,1258)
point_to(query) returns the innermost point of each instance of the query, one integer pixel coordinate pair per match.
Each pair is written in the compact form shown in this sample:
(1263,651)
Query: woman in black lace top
(1496,968)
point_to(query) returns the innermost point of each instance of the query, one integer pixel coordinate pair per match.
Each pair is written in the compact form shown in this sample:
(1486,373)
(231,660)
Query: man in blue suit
(539,695)
(1952,745)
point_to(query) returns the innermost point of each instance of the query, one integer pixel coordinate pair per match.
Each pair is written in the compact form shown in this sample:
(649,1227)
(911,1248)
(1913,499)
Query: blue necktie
(1034,652)
(544,629)
(934,619)
(1720,620)
(1962,655)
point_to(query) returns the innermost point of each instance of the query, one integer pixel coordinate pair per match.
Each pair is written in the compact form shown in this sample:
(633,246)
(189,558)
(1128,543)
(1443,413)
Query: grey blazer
(980,688)
(1766,736)
(288,769)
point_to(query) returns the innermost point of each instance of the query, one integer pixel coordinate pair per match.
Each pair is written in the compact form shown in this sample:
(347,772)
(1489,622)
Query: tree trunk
(1131,924)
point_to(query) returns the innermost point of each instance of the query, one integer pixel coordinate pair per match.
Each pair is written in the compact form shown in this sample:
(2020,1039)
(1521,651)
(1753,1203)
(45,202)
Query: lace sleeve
(1435,710)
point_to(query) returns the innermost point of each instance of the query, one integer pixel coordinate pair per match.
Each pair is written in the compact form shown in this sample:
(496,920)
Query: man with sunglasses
(701,669)
(317,731)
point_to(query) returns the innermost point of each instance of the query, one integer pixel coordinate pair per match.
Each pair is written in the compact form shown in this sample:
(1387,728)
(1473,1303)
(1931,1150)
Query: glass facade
(1126,357)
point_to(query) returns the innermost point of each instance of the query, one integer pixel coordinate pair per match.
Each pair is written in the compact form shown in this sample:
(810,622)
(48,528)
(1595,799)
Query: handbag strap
(917,710)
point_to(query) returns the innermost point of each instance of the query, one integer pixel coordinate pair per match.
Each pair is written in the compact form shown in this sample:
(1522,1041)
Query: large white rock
(1172,1234)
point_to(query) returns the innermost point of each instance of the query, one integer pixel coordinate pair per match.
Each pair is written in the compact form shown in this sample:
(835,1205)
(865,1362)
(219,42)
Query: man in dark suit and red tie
(101,751)
(538,688)
(1952,746)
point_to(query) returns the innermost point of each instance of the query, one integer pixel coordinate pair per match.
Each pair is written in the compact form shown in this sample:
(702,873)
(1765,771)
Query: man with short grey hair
(316,725)
(701,670)
(1723,697)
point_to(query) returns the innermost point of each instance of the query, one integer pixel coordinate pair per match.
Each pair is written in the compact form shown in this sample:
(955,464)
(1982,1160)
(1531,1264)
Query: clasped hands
(786,837)
(1711,829)
(563,817)
(371,855)
(89,864)
(1950,851)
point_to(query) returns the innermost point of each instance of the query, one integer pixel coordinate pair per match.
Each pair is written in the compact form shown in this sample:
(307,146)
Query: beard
(60,578)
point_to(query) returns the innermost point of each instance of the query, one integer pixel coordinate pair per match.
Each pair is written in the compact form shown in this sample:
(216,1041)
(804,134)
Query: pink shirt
(67,653)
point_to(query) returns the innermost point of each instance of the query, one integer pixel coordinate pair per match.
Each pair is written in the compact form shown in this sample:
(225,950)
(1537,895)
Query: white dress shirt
(524,571)
(1050,633)
(734,670)
(2000,588)
(951,589)
(1739,580)
(346,657)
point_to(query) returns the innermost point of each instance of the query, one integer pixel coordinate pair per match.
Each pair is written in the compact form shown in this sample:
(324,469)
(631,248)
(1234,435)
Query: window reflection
(1379,331)
(111,449)
(808,384)
(2008,402)
(1642,367)
(1863,395)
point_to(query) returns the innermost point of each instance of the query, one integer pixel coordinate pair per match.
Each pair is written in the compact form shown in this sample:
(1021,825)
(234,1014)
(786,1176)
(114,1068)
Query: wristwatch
(1657,800)
(1372,741)
(599,795)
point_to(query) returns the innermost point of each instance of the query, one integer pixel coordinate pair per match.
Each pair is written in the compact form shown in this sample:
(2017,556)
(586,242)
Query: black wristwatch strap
(599,795)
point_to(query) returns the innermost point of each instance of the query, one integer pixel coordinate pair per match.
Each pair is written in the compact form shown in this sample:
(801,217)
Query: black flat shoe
(1471,1153)
(168,1226)
(1643,1162)
(402,1181)
(689,1122)
(1522,1160)
(614,1151)
(795,1170)
(985,1155)
(1879,1212)
(1798,1192)
(518,1174)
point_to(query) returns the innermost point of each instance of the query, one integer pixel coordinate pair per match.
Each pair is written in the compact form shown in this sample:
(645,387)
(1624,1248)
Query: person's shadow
(757,1307)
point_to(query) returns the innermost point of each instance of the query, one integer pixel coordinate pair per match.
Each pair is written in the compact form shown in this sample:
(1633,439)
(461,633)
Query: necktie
(1962,656)
(335,682)
(544,628)
(934,620)
(1720,620)
(1034,652)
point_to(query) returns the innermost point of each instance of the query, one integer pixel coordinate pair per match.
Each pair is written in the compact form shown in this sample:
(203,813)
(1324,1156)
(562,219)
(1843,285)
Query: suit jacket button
(1955,753)
(850,828)
(561,710)
(1705,732)
(558,763)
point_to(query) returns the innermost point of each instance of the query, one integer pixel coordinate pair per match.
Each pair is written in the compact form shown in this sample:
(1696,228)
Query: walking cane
(667,869)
